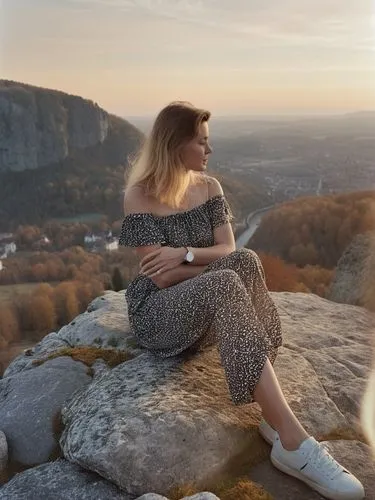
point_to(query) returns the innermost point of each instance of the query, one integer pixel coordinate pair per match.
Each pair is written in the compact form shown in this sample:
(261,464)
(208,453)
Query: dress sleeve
(219,210)
(140,229)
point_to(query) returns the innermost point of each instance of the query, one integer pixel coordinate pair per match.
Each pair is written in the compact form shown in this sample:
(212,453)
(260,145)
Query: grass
(88,355)
(235,489)
(233,483)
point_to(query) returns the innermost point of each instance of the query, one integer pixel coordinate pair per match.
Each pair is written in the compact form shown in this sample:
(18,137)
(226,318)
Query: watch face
(189,256)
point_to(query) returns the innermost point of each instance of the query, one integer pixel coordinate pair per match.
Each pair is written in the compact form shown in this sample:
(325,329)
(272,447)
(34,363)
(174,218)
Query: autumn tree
(315,230)
(117,282)
(9,326)
(66,302)
(36,314)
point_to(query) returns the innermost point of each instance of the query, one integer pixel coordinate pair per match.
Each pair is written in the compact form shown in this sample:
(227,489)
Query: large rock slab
(60,480)
(152,424)
(335,340)
(306,395)
(29,402)
(150,411)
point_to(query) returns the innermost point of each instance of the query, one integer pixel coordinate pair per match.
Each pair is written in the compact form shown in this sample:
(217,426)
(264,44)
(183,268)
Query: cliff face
(40,127)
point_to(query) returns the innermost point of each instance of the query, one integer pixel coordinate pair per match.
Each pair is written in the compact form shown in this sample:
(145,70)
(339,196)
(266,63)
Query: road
(253,221)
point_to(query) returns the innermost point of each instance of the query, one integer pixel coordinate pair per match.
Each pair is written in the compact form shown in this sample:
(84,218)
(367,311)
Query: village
(92,242)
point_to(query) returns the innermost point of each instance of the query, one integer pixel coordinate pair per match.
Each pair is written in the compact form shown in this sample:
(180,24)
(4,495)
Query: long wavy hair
(158,166)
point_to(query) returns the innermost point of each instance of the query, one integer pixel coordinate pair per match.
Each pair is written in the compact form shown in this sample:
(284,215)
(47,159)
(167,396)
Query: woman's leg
(177,317)
(276,411)
(248,266)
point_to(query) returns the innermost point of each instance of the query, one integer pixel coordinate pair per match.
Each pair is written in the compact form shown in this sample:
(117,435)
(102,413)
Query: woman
(194,288)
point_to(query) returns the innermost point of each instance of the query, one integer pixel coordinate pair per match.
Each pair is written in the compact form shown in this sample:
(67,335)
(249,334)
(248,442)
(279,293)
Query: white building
(111,245)
(7,249)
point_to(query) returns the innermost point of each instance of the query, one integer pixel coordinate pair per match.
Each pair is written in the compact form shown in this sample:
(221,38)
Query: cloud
(322,23)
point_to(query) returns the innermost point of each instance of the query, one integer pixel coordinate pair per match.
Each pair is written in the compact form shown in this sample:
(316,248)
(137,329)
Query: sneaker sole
(323,491)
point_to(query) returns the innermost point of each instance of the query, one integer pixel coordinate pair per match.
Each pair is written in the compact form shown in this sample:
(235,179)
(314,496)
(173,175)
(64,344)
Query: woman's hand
(162,259)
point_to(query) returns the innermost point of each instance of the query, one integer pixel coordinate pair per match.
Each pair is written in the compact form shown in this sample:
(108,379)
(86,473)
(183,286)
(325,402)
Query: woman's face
(195,153)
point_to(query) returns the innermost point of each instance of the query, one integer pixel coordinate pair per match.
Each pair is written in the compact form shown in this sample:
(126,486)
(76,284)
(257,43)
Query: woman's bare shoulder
(214,187)
(135,200)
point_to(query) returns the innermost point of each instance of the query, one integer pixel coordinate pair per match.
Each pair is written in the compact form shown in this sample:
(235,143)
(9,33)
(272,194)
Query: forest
(315,230)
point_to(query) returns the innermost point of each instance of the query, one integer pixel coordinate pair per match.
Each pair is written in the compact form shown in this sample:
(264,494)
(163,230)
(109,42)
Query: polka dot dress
(227,304)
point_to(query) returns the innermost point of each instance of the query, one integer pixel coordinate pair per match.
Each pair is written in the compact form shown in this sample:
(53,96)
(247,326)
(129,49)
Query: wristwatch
(189,257)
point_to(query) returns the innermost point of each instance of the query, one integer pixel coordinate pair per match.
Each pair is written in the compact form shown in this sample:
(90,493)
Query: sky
(234,57)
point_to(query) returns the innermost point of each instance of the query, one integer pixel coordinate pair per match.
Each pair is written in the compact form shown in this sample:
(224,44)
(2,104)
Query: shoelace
(324,462)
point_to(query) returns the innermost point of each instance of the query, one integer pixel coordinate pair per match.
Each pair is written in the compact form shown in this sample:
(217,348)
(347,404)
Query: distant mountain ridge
(60,155)
(63,156)
(40,127)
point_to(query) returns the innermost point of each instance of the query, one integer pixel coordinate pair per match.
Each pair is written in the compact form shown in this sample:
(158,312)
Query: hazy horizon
(258,58)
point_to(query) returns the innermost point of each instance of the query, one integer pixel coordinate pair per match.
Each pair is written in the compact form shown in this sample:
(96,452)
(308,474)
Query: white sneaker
(267,432)
(316,467)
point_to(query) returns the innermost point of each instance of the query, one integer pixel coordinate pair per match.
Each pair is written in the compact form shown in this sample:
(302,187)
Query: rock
(40,127)
(354,278)
(104,324)
(199,496)
(152,424)
(151,496)
(306,394)
(280,485)
(353,455)
(29,402)
(60,480)
(202,496)
(334,339)
(169,412)
(47,345)
(3,454)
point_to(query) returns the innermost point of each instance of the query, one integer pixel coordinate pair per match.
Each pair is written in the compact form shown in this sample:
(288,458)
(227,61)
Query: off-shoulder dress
(227,304)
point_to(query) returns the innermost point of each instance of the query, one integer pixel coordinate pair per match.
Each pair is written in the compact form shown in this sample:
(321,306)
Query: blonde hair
(158,166)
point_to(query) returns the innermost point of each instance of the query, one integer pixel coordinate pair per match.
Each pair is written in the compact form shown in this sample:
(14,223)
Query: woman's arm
(180,273)
(223,237)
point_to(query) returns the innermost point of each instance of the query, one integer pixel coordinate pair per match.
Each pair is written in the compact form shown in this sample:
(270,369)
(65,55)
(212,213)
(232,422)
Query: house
(7,248)
(104,242)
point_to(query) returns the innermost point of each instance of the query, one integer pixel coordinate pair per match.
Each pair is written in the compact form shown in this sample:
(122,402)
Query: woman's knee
(246,258)
(225,280)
